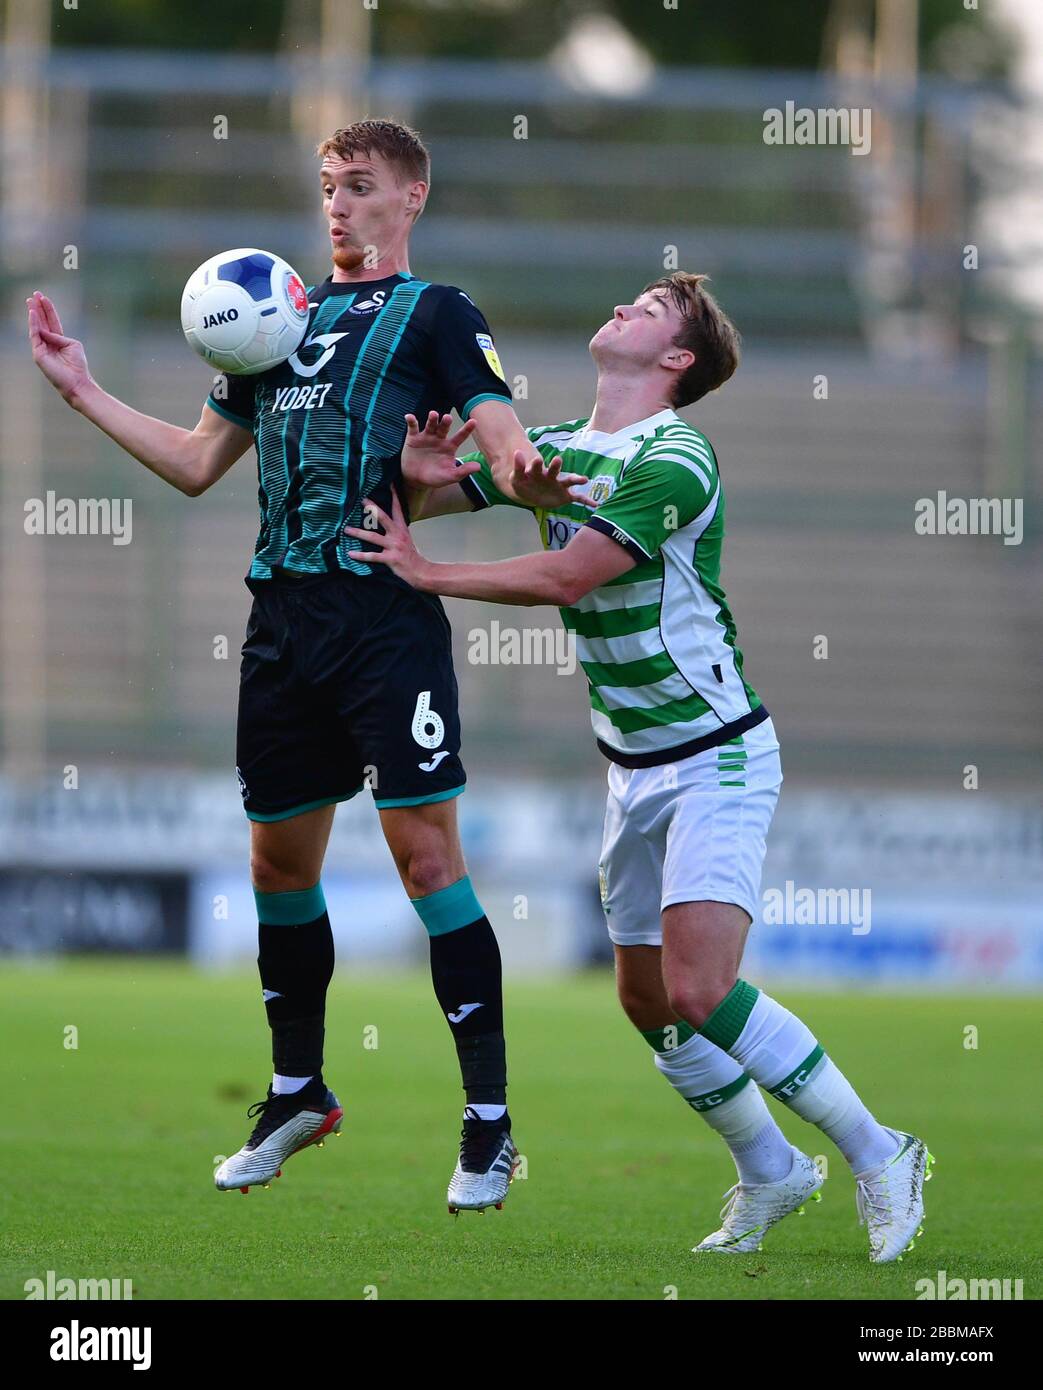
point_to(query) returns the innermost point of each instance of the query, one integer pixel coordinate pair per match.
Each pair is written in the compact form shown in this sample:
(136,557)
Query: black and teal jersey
(328,423)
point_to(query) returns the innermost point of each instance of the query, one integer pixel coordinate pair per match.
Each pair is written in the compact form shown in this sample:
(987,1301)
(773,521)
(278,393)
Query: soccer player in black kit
(347,678)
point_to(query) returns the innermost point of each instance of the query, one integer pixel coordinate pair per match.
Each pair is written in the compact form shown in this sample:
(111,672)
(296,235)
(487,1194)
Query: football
(244,311)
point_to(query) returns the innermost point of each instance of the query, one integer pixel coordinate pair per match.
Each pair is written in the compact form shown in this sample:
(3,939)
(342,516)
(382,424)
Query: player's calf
(783,1055)
(467,977)
(775,1179)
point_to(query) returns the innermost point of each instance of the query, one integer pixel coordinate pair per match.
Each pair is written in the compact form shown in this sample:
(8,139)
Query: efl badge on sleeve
(486,344)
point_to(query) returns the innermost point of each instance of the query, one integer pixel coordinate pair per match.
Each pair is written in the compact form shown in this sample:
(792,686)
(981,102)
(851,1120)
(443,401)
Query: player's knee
(695,1000)
(270,875)
(639,1004)
(424,872)
(629,1000)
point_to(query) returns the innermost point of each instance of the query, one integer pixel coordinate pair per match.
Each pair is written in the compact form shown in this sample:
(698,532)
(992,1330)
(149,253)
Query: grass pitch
(109,1147)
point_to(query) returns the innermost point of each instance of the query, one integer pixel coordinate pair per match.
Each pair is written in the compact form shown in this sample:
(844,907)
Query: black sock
(296,966)
(465,968)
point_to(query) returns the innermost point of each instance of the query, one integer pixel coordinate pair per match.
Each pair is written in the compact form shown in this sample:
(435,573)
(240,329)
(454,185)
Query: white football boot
(753,1208)
(889,1198)
(486,1166)
(287,1124)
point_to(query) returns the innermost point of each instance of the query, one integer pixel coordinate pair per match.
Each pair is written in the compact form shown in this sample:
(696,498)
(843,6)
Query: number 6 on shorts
(428,728)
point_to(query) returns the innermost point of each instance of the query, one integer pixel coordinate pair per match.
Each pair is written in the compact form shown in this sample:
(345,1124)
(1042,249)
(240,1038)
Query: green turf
(108,1149)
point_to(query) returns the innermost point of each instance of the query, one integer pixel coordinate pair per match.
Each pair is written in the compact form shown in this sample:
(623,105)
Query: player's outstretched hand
(544,485)
(62,360)
(395,545)
(429,454)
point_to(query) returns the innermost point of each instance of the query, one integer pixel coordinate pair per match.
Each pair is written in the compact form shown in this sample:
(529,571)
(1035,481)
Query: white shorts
(690,831)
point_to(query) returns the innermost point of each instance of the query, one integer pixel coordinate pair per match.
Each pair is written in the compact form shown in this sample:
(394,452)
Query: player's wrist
(416,496)
(80,394)
(425,575)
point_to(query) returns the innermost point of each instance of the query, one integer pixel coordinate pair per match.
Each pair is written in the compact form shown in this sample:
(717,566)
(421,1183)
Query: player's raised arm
(500,437)
(190,460)
(474,381)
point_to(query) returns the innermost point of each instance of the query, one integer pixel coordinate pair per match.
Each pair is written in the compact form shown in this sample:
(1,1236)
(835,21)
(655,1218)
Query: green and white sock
(782,1055)
(718,1089)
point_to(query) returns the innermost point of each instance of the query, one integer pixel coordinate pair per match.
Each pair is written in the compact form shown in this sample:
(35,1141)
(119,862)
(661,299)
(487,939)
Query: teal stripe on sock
(290,909)
(449,909)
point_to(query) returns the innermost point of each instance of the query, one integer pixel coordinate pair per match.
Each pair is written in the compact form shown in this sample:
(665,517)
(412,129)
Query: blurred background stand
(891,305)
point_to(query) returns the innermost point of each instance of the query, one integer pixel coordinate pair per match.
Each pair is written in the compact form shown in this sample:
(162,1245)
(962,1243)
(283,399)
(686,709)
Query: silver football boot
(286,1124)
(486,1166)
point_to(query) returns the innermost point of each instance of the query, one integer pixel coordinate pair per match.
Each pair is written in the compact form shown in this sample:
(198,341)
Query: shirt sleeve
(233,397)
(468,366)
(479,487)
(660,491)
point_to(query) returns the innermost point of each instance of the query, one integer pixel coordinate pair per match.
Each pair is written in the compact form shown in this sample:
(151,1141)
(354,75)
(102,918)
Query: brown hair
(707,331)
(400,145)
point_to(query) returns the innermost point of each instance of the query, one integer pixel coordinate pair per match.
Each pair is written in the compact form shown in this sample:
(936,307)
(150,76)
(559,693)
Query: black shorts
(346,682)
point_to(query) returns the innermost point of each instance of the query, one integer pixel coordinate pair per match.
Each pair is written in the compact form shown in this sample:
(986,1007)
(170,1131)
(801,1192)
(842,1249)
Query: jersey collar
(640,427)
(360,286)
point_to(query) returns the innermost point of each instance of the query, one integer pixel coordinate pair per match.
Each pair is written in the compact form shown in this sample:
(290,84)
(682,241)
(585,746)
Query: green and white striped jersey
(658,642)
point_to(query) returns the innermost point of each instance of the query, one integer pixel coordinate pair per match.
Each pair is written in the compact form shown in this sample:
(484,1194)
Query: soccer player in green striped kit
(694,769)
